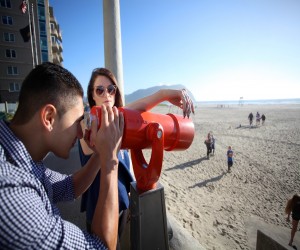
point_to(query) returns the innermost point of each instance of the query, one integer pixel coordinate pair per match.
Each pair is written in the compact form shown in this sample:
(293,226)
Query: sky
(218,49)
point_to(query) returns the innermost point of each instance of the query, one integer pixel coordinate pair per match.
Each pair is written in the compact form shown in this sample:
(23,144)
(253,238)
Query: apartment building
(23,46)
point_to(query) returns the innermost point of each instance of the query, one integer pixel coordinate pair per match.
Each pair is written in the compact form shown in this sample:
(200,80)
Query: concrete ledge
(268,231)
(182,239)
(265,242)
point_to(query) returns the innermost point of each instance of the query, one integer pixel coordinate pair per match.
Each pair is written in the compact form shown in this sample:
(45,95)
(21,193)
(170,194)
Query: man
(48,120)
(263,118)
(250,117)
(207,142)
(229,158)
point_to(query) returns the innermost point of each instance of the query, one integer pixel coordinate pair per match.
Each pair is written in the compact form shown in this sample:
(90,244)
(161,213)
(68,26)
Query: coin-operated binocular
(144,130)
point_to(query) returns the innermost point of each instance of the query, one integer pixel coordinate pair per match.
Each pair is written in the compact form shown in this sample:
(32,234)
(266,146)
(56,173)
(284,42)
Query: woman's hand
(181,99)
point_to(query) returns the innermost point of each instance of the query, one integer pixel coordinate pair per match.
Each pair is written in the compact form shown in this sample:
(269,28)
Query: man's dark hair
(47,83)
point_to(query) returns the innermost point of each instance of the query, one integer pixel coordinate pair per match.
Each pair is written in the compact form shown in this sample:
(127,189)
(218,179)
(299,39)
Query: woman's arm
(179,98)
(288,209)
(84,177)
(85,148)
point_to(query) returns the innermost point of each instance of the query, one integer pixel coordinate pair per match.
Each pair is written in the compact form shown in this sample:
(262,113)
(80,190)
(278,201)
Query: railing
(8,107)
(7,110)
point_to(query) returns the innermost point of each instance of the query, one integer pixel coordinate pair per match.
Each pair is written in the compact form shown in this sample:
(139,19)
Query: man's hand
(107,140)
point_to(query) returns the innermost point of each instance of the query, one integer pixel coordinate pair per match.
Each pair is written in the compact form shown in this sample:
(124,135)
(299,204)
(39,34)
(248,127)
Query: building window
(43,31)
(12,70)
(45,57)
(44,44)
(52,27)
(7,20)
(10,53)
(53,40)
(5,3)
(41,13)
(14,87)
(9,37)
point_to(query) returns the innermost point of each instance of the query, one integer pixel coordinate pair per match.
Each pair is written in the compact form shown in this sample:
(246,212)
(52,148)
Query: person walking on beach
(257,118)
(263,118)
(229,158)
(293,207)
(250,117)
(207,142)
(213,140)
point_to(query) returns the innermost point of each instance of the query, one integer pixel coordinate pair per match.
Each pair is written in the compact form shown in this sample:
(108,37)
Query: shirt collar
(16,151)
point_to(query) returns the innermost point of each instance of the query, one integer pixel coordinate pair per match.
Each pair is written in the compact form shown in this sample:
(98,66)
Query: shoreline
(242,102)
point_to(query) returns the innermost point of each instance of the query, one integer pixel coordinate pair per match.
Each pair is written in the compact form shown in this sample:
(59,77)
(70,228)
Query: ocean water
(254,102)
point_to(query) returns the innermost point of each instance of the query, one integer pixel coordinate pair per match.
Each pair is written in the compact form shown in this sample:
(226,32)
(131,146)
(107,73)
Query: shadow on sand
(188,164)
(213,179)
(246,126)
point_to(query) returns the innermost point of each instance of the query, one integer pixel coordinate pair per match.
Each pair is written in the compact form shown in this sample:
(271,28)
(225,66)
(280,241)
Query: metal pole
(31,41)
(112,41)
(34,36)
(6,107)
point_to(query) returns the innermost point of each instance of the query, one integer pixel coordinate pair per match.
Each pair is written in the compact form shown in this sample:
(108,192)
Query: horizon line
(245,100)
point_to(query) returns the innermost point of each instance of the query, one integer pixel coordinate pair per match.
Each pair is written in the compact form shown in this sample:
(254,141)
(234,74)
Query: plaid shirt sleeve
(62,186)
(30,221)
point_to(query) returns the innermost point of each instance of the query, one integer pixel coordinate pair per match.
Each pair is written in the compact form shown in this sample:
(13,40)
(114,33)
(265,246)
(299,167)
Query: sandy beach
(213,205)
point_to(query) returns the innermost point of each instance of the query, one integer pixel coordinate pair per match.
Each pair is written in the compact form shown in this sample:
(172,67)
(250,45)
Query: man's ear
(48,116)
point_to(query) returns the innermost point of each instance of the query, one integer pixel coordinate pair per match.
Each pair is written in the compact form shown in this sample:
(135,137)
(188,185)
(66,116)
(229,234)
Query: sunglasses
(111,89)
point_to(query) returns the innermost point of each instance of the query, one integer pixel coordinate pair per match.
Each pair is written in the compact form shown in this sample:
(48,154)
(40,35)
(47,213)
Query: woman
(293,207)
(103,89)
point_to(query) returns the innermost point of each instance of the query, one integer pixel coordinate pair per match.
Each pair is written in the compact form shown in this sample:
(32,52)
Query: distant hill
(145,92)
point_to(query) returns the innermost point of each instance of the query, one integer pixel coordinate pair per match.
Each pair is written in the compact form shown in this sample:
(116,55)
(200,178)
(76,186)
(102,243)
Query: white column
(112,40)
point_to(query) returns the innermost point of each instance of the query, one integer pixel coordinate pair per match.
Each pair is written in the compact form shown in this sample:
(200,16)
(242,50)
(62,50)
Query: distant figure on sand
(263,118)
(229,158)
(212,144)
(250,117)
(257,118)
(293,207)
(207,142)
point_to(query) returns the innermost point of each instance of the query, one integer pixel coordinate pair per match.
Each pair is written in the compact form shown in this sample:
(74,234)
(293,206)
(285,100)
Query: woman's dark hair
(291,202)
(103,72)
